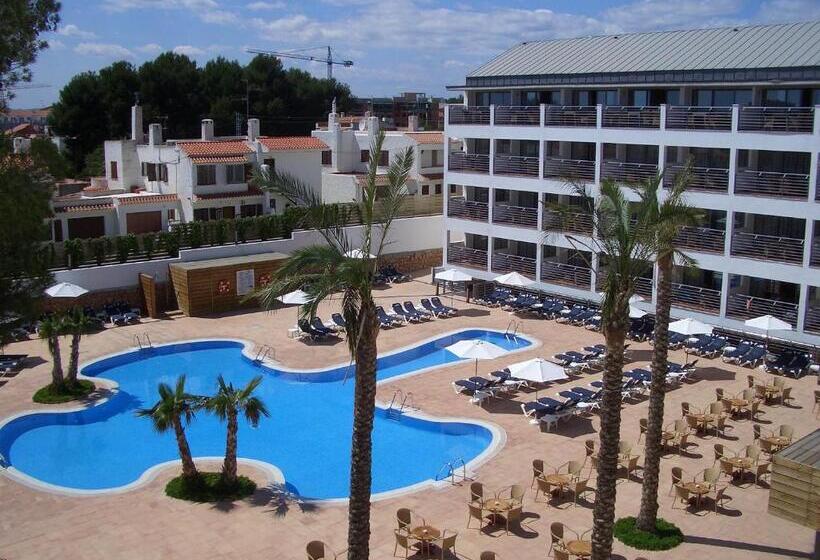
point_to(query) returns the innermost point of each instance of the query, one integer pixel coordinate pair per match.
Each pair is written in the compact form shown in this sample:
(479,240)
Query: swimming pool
(307,437)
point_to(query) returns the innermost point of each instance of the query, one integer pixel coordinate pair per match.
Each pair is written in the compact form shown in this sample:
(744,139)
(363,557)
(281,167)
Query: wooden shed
(795,488)
(218,285)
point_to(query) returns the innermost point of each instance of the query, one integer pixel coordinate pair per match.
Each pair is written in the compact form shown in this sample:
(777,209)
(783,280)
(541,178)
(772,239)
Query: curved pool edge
(274,474)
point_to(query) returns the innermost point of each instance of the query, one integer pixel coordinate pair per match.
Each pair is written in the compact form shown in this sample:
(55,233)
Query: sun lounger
(438,312)
(339,321)
(733,353)
(438,305)
(401,312)
(753,357)
(317,324)
(311,332)
(422,313)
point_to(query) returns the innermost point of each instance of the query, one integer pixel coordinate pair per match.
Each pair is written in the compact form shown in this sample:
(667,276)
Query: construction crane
(296,54)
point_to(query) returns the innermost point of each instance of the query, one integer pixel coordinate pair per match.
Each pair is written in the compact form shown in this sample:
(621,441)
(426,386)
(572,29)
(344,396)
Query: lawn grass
(51,395)
(209,487)
(666,536)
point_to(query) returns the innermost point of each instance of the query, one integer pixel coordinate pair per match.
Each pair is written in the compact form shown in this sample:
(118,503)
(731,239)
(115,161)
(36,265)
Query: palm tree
(227,404)
(620,240)
(667,216)
(76,324)
(326,271)
(174,408)
(50,329)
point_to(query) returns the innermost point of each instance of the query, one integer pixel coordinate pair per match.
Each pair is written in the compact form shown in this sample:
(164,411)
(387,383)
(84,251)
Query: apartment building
(741,104)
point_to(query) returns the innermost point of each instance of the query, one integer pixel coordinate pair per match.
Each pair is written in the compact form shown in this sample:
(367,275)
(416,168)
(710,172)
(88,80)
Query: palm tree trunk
(74,359)
(229,466)
(188,467)
(610,433)
(57,380)
(358,535)
(654,425)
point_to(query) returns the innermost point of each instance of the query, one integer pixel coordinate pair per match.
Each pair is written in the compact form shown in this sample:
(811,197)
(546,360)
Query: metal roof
(793,45)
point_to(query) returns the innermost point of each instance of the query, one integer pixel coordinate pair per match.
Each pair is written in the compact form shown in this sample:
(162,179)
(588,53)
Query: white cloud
(789,10)
(221,17)
(56,44)
(265,6)
(150,48)
(652,15)
(72,30)
(124,5)
(107,50)
(188,50)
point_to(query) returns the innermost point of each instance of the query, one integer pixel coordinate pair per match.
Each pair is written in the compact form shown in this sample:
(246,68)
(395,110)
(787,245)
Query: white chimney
(154,134)
(136,124)
(412,123)
(253,129)
(207,129)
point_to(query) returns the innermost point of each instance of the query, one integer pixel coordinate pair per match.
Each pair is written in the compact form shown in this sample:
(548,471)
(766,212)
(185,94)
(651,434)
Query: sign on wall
(244,282)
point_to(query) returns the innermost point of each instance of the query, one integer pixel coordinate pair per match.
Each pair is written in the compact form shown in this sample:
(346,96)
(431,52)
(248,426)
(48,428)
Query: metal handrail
(701,178)
(744,306)
(701,239)
(564,168)
(767,247)
(466,255)
(515,215)
(566,274)
(462,161)
(814,259)
(459,114)
(631,117)
(515,165)
(772,183)
(460,207)
(629,172)
(517,115)
(699,118)
(794,120)
(505,262)
(812,322)
(695,297)
(573,222)
(571,115)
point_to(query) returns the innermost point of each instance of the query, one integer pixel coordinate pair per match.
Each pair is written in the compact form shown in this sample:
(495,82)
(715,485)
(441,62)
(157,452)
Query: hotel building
(741,104)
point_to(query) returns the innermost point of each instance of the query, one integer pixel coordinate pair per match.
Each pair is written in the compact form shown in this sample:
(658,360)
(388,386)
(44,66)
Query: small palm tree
(620,234)
(76,324)
(227,404)
(327,271)
(667,216)
(175,408)
(50,329)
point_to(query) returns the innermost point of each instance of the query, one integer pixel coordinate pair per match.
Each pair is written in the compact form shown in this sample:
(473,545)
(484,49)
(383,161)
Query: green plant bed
(209,488)
(51,395)
(667,535)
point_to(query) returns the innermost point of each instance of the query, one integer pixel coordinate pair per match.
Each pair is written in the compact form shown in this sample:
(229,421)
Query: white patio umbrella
(635,312)
(690,327)
(297,298)
(768,323)
(66,290)
(634,298)
(476,349)
(538,370)
(359,254)
(514,279)
(453,275)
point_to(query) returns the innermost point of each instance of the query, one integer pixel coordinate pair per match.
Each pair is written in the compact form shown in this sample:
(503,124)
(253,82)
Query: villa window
(327,157)
(234,174)
(364,156)
(205,174)
(438,188)
(163,172)
(114,174)
(436,158)
(149,170)
(425,190)
(384,158)
(453,189)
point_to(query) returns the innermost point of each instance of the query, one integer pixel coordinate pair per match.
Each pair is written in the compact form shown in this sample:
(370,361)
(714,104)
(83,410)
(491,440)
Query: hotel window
(436,158)
(438,188)
(364,156)
(531,98)
(425,190)
(327,157)
(453,189)
(722,97)
(114,170)
(234,174)
(205,174)
(786,97)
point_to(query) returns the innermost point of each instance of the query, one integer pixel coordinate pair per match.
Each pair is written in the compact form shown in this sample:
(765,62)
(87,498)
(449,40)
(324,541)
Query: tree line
(176,92)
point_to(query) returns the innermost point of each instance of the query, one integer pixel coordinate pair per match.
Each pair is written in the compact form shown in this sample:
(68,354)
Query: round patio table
(579,547)
(698,489)
(778,442)
(425,534)
(557,479)
(738,405)
(741,463)
(769,390)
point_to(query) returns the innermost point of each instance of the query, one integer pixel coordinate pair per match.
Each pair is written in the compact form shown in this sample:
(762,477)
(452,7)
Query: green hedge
(666,536)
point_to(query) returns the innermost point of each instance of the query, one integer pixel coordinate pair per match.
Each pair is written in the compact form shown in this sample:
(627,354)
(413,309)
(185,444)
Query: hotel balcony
(468,253)
(515,165)
(811,321)
(469,163)
(459,114)
(643,284)
(814,259)
(515,208)
(772,184)
(571,115)
(567,215)
(523,115)
(696,289)
(755,237)
(625,172)
(566,267)
(754,297)
(511,256)
(631,117)
(793,120)
(471,206)
(569,169)
(699,118)
(706,179)
(703,239)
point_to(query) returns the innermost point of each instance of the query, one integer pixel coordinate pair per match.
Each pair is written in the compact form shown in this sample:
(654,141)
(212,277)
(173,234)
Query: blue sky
(397,45)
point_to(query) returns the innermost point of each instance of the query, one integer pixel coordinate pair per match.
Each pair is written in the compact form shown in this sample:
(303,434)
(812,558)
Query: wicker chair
(681,496)
(476,492)
(677,478)
(537,470)
(556,536)
(402,542)
(317,550)
(642,425)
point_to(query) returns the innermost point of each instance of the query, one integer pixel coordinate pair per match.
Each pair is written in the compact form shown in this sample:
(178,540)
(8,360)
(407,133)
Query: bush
(73,252)
(51,395)
(148,245)
(209,487)
(170,242)
(123,244)
(96,248)
(666,536)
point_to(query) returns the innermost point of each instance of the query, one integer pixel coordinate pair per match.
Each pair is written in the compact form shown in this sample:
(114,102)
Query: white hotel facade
(742,104)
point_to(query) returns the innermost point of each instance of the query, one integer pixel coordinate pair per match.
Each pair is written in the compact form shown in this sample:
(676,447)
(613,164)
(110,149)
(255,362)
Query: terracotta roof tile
(148,199)
(215,148)
(209,160)
(85,208)
(281,143)
(381,180)
(426,137)
(432,176)
(252,191)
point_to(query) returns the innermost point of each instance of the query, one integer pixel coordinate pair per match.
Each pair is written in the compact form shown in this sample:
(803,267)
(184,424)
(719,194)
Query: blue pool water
(307,435)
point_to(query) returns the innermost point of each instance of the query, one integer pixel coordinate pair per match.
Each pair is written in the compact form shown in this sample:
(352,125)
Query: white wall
(124,152)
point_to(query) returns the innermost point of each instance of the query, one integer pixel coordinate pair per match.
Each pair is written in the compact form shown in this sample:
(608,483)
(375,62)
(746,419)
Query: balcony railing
(465,256)
(643,287)
(566,274)
(570,222)
(741,306)
(516,165)
(814,260)
(711,179)
(459,207)
(459,114)
(473,163)
(767,247)
(812,322)
(569,169)
(571,115)
(768,183)
(504,262)
(515,215)
(696,298)
(628,172)
(703,239)
(631,117)
(698,118)
(777,119)
(518,115)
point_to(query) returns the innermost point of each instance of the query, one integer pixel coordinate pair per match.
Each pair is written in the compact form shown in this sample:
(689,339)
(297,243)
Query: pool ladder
(394,412)
(514,333)
(450,470)
(143,342)
(263,352)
